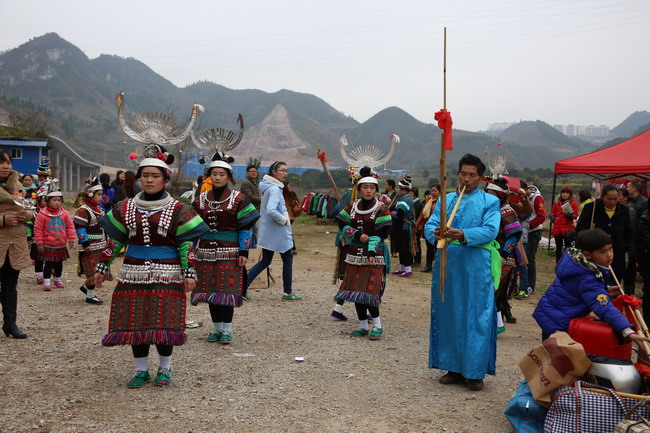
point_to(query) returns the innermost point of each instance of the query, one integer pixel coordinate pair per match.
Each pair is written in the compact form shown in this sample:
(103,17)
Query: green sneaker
(359,333)
(214,337)
(140,378)
(522,294)
(376,333)
(226,338)
(164,377)
(291,297)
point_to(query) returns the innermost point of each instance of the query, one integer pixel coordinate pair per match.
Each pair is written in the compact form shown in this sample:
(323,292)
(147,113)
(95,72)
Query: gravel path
(62,380)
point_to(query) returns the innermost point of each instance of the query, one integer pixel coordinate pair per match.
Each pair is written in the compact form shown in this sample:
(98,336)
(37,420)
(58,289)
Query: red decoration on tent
(444,122)
(321,156)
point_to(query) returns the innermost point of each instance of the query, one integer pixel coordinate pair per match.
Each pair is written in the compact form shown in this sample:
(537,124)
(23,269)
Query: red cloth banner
(444,122)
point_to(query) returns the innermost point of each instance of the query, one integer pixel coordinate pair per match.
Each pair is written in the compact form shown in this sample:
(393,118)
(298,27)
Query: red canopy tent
(629,158)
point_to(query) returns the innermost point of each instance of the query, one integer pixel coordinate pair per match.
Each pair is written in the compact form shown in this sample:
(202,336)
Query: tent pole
(548,248)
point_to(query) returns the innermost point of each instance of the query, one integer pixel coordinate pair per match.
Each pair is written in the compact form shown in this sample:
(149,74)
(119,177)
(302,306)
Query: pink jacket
(53,227)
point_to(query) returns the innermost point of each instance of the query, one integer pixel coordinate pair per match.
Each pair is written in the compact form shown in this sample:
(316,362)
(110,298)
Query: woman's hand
(242,261)
(189,284)
(70,244)
(98,279)
(86,249)
(364,238)
(11,219)
(22,216)
(40,249)
(371,260)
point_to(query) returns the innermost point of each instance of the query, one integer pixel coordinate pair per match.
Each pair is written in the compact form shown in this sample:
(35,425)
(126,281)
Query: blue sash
(151,253)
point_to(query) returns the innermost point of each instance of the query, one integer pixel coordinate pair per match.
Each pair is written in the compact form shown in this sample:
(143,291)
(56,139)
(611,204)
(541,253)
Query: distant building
(590,131)
(499,127)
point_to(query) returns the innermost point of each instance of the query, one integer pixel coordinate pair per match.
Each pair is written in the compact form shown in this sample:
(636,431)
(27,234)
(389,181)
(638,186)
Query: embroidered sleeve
(244,237)
(186,251)
(343,218)
(109,253)
(247,215)
(190,226)
(81,218)
(113,226)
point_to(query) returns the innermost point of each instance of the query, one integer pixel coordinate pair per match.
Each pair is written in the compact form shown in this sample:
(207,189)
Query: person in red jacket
(563,216)
(53,227)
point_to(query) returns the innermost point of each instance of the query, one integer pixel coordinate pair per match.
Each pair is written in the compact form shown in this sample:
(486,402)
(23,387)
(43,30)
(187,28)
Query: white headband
(495,187)
(221,164)
(154,162)
(367,179)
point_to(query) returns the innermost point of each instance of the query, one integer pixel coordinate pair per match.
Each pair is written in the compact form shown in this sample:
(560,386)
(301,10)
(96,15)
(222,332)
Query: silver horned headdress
(155,130)
(366,155)
(219,139)
(497,166)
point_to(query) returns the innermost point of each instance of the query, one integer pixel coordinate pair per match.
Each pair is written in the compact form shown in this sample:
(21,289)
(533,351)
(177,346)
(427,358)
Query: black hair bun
(220,156)
(169,160)
(365,172)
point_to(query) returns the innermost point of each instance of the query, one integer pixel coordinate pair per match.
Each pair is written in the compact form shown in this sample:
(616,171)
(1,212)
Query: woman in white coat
(275,228)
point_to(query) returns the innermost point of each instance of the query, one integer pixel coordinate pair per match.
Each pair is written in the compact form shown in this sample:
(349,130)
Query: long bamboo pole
(442,253)
(443,241)
(643,328)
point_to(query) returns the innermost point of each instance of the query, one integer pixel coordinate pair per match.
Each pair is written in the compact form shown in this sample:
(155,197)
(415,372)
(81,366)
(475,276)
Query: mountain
(629,126)
(55,78)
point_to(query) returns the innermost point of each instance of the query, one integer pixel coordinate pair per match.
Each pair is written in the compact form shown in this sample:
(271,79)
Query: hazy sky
(561,61)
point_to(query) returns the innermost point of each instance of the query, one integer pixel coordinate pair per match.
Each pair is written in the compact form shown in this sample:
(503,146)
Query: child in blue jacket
(580,286)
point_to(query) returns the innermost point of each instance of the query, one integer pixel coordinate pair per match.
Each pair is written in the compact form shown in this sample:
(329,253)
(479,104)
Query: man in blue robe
(463,328)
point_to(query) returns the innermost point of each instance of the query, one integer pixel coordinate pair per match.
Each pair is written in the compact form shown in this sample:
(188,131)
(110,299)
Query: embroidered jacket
(364,217)
(89,232)
(230,219)
(159,241)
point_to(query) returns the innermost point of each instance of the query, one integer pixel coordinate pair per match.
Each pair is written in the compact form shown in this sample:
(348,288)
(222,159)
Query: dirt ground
(61,379)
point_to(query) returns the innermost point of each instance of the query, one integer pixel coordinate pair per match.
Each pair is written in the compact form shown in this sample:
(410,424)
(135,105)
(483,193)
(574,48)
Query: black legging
(142,350)
(57,267)
(38,265)
(8,293)
(431,254)
(405,259)
(221,313)
(267,258)
(364,309)
(561,242)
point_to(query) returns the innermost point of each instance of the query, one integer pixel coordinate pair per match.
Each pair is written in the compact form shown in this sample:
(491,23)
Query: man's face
(251,173)
(468,177)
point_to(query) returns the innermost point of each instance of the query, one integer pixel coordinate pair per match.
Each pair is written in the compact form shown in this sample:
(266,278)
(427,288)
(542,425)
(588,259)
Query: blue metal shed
(26,153)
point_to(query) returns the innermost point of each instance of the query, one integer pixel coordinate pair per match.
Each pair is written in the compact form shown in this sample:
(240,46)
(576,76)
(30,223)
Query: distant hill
(55,78)
(629,126)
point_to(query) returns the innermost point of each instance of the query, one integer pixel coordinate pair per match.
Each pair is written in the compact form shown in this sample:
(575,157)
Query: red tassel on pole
(445,122)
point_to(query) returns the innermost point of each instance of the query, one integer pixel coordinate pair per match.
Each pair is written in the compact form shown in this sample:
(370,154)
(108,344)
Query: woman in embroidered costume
(365,224)
(402,238)
(148,304)
(53,226)
(90,236)
(275,228)
(510,231)
(221,253)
